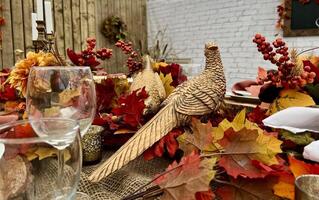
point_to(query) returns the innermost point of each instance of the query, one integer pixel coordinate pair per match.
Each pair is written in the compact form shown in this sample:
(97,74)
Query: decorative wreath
(114,28)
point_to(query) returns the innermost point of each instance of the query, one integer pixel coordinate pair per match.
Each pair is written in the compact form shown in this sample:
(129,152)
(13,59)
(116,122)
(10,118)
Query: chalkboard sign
(301,19)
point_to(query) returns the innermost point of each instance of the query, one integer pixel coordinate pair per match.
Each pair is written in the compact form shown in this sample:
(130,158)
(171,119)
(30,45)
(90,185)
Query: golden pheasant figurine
(153,86)
(199,96)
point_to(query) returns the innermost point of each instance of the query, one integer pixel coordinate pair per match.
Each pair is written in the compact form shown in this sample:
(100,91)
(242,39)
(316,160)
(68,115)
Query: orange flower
(18,77)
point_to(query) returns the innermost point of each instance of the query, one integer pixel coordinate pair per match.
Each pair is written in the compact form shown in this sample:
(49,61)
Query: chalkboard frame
(288,32)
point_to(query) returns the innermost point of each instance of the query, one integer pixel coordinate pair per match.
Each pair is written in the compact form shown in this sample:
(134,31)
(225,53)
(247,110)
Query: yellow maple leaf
(68,94)
(237,124)
(267,146)
(46,152)
(285,190)
(167,80)
(157,65)
(290,98)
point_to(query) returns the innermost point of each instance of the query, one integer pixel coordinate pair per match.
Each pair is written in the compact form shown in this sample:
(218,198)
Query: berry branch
(286,76)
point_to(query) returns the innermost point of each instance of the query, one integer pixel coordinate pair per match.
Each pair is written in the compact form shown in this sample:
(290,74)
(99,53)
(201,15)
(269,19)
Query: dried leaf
(246,146)
(285,187)
(199,139)
(68,94)
(290,98)
(131,107)
(168,143)
(52,112)
(206,195)
(46,152)
(186,178)
(248,189)
(167,80)
(300,138)
(299,167)
(123,131)
(105,92)
(262,74)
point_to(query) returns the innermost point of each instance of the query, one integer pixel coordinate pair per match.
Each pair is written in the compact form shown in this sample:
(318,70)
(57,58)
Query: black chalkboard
(301,19)
(304,16)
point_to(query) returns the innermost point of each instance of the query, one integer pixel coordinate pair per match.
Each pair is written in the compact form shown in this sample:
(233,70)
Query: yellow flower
(18,77)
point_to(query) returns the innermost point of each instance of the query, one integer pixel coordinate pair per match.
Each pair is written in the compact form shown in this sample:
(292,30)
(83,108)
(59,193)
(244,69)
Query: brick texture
(190,24)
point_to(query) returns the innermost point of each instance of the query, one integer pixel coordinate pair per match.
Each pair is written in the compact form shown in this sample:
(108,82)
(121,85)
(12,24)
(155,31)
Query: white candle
(48,16)
(34,26)
(40,9)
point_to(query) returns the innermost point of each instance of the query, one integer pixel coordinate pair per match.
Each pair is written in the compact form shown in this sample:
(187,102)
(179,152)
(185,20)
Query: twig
(226,153)
(307,50)
(238,187)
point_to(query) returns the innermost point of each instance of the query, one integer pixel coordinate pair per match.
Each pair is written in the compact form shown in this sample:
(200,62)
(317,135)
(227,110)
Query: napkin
(295,119)
(311,151)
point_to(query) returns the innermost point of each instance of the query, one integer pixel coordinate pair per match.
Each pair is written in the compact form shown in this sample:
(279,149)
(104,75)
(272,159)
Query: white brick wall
(230,23)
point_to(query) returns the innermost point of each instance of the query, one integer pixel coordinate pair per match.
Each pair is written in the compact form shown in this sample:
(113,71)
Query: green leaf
(299,138)
(313,91)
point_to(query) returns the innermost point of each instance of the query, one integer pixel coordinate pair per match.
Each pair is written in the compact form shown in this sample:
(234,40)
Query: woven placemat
(123,182)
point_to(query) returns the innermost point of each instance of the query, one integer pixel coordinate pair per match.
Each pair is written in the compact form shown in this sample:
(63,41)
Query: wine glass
(28,164)
(60,92)
(63,92)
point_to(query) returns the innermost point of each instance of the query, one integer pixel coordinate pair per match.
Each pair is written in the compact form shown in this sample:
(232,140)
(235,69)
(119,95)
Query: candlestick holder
(44,41)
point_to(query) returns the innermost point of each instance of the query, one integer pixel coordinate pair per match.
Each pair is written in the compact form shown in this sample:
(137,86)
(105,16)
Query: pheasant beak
(211,46)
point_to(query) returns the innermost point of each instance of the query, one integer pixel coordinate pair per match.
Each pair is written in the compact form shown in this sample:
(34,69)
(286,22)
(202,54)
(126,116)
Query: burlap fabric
(123,182)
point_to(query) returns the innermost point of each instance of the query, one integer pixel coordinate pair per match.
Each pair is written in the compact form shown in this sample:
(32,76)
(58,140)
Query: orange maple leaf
(299,167)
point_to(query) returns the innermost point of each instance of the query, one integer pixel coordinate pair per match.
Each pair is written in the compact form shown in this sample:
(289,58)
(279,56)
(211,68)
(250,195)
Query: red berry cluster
(278,54)
(281,15)
(134,61)
(88,57)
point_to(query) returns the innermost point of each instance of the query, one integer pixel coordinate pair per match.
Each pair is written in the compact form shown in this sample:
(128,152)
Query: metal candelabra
(45,40)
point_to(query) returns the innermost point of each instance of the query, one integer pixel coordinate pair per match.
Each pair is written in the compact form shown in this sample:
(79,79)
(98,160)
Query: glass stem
(60,170)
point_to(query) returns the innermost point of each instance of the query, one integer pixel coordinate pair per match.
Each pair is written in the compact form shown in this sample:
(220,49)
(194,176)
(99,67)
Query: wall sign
(301,19)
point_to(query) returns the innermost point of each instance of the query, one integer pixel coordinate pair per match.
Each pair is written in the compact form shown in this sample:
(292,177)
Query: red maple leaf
(104,94)
(105,120)
(207,195)
(257,116)
(176,71)
(168,142)
(131,107)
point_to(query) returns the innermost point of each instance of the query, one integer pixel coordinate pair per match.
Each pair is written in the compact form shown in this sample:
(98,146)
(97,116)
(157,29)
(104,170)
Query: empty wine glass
(28,164)
(61,92)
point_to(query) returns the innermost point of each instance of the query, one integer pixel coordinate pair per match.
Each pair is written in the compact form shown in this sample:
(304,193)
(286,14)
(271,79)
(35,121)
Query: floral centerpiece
(229,155)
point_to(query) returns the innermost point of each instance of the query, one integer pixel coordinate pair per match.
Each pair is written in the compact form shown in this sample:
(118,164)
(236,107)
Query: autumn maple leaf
(262,74)
(198,139)
(245,146)
(299,167)
(168,142)
(244,189)
(184,179)
(131,107)
(175,70)
(105,92)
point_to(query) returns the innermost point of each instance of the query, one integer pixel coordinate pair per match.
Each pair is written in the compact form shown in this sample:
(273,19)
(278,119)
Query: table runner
(122,182)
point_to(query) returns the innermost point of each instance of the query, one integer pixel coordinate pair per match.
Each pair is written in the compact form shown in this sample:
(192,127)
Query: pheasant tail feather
(163,122)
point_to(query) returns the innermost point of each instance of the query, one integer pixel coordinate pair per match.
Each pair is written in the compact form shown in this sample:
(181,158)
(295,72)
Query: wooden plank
(67,17)
(59,31)
(1,15)
(27,10)
(84,22)
(17,25)
(91,18)
(76,25)
(144,26)
(7,44)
